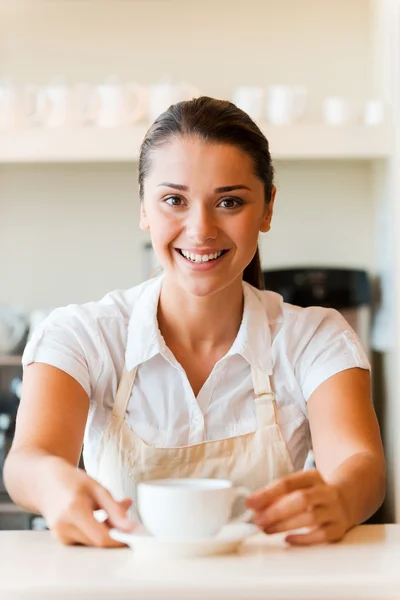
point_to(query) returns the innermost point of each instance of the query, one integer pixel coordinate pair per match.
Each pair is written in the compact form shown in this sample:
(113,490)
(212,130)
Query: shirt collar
(144,340)
(144,337)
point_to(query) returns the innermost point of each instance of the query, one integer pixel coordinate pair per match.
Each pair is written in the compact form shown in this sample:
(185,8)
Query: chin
(204,286)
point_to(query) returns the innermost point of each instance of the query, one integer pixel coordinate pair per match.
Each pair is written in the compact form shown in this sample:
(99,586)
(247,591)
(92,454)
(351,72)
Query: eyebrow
(218,190)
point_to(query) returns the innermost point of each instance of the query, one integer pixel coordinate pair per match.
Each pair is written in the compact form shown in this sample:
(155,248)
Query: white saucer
(226,541)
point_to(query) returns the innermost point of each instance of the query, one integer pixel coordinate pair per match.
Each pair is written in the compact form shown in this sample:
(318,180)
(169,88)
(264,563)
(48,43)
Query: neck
(200,323)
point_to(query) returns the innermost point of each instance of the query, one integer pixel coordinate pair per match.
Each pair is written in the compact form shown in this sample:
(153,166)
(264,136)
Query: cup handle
(247,515)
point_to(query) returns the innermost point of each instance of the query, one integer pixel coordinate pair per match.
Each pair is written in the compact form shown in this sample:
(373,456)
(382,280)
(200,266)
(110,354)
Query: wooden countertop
(366,564)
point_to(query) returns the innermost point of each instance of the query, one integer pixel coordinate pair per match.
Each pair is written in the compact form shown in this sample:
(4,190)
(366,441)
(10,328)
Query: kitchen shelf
(7,360)
(298,142)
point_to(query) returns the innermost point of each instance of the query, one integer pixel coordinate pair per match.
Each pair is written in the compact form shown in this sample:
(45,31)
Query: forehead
(183,159)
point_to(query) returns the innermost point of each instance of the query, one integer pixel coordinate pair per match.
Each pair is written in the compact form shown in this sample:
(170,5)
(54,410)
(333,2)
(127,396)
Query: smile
(201,258)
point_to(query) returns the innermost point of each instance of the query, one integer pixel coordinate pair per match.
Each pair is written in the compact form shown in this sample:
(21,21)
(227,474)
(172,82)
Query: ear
(144,222)
(266,222)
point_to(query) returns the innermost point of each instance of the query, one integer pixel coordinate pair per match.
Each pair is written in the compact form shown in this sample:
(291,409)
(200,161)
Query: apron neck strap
(264,398)
(124,393)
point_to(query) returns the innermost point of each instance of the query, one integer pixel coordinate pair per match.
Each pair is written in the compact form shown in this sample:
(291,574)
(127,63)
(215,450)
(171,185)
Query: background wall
(68,233)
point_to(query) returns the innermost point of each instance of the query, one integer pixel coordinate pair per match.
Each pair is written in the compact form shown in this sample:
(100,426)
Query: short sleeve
(327,345)
(68,340)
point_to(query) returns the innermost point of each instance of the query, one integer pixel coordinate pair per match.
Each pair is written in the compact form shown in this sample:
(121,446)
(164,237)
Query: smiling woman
(198,373)
(204,144)
(191,221)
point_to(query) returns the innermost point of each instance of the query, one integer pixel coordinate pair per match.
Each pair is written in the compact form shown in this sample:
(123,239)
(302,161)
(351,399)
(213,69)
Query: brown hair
(213,121)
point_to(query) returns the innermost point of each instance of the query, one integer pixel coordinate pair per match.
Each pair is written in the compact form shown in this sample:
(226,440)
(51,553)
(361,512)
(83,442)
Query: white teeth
(200,258)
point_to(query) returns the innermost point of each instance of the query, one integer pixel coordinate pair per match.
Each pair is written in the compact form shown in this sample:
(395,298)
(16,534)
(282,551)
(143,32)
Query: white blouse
(301,347)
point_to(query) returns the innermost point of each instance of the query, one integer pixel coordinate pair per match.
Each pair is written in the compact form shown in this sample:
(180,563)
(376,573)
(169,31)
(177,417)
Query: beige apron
(252,460)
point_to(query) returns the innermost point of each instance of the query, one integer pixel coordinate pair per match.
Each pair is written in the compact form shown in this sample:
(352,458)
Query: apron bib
(251,460)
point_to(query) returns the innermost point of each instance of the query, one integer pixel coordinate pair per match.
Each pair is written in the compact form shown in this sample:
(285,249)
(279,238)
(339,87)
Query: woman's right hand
(68,508)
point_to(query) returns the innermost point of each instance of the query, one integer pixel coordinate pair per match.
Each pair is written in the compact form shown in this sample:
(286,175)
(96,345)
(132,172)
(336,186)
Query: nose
(201,225)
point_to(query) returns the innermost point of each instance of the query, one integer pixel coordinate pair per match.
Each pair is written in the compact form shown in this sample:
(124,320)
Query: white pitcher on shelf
(16,104)
(63,105)
(165,93)
(285,104)
(114,104)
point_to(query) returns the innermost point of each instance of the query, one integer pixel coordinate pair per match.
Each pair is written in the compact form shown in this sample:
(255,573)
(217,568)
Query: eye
(174,201)
(231,203)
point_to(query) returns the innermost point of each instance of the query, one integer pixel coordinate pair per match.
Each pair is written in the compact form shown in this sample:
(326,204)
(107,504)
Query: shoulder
(116,306)
(85,339)
(313,343)
(283,316)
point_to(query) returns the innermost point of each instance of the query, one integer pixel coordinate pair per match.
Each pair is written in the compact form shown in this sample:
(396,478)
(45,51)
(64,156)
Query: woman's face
(204,207)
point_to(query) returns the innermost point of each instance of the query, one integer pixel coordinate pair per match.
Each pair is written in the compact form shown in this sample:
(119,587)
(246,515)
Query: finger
(283,486)
(96,533)
(74,536)
(291,505)
(321,535)
(70,535)
(117,511)
(312,519)
(125,504)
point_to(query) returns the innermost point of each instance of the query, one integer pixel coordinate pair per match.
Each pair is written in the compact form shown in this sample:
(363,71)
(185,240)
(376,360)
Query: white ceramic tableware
(285,104)
(60,105)
(251,100)
(16,104)
(336,111)
(163,94)
(114,104)
(228,540)
(13,329)
(187,509)
(374,112)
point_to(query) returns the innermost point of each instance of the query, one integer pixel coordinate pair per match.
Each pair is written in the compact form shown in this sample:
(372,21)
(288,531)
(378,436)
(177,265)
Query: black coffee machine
(346,290)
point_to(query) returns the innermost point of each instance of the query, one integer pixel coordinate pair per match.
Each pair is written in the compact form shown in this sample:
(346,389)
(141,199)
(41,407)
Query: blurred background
(80,81)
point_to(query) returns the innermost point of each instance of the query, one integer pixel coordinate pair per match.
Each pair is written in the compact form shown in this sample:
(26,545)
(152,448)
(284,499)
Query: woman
(198,372)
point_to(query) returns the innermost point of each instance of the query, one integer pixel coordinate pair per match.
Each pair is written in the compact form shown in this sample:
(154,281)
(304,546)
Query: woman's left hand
(301,500)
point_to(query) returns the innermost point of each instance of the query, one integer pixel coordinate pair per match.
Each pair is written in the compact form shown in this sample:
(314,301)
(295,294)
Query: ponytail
(253,272)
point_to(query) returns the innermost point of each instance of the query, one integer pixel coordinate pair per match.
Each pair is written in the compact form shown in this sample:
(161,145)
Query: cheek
(163,228)
(246,232)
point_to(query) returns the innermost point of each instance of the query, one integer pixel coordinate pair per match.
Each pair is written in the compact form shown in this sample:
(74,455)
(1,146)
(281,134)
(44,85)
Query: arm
(41,472)
(347,444)
(350,482)
(49,432)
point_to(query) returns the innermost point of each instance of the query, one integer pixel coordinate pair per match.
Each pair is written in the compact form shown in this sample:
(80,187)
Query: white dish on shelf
(226,541)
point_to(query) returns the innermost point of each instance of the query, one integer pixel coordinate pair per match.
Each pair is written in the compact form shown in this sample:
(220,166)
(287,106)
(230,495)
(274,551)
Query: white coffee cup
(188,509)
(251,100)
(285,104)
(374,112)
(114,104)
(335,111)
(165,93)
